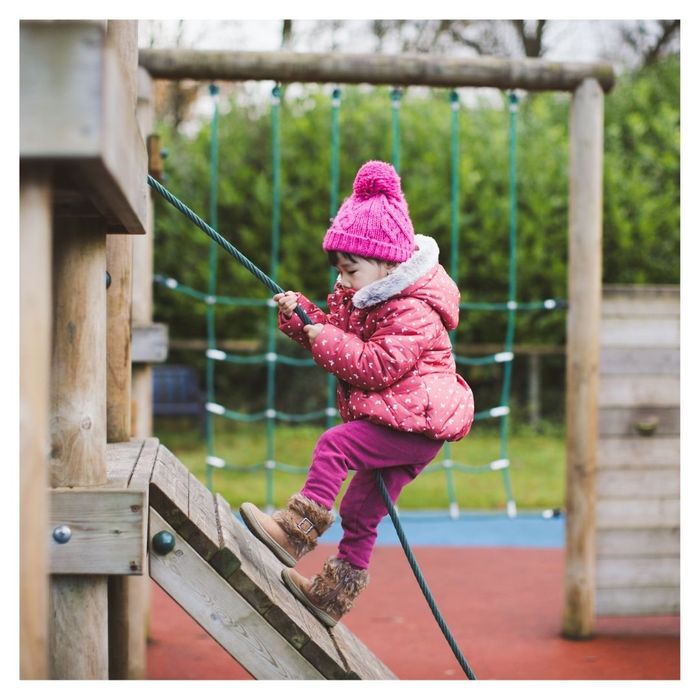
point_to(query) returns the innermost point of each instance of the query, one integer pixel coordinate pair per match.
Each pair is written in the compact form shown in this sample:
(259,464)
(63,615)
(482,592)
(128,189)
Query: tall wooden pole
(126,637)
(583,331)
(78,614)
(35,363)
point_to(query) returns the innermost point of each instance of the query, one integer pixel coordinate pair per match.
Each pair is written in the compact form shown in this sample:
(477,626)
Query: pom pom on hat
(375,178)
(374,221)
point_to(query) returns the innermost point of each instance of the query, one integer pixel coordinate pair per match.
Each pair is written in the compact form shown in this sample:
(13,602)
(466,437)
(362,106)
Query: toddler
(385,338)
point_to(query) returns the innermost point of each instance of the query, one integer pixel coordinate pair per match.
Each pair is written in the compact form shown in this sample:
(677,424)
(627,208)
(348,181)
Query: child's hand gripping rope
(287,302)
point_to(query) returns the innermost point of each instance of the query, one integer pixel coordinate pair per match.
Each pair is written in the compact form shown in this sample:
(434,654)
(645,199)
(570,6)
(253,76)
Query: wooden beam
(75,111)
(223,613)
(108,531)
(583,350)
(379,69)
(35,354)
(149,343)
(78,619)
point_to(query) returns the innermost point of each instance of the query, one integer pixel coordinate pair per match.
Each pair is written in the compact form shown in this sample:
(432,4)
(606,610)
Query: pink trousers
(362,447)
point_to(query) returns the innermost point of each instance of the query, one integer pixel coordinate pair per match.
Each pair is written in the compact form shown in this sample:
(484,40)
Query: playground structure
(119,504)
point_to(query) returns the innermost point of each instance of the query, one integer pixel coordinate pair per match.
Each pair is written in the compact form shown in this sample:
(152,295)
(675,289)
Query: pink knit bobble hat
(373,222)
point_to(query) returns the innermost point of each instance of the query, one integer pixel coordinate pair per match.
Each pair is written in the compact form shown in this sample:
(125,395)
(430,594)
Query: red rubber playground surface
(502,605)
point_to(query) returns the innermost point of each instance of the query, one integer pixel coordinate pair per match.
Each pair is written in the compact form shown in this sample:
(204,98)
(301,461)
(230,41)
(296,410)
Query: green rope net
(271,358)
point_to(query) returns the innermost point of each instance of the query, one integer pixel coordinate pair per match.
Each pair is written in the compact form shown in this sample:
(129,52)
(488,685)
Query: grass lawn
(537,466)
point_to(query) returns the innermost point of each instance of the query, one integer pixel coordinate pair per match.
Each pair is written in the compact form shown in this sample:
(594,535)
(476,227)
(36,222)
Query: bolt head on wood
(62,534)
(163,542)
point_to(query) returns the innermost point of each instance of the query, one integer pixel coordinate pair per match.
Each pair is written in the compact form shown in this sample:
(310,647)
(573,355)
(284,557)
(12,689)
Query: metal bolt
(62,534)
(163,542)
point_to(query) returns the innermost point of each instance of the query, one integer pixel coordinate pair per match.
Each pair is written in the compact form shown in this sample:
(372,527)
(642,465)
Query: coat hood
(420,277)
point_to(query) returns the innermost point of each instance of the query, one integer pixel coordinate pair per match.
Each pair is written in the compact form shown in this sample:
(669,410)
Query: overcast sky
(578,40)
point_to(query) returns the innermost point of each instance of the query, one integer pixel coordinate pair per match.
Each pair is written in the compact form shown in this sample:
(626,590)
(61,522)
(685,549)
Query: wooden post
(583,324)
(35,363)
(119,253)
(127,652)
(78,617)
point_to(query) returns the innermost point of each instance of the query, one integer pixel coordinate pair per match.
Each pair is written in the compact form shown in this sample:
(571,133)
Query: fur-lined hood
(418,277)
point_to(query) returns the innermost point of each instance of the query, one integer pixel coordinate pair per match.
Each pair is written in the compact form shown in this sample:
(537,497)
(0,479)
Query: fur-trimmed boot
(330,594)
(291,532)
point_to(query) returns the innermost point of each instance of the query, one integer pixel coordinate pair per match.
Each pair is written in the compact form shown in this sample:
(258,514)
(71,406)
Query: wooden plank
(638,452)
(34,377)
(119,255)
(642,513)
(583,350)
(224,614)
(200,530)
(108,531)
(377,68)
(149,343)
(639,483)
(640,390)
(638,572)
(75,109)
(641,300)
(121,461)
(228,558)
(639,601)
(143,470)
(623,361)
(624,421)
(169,488)
(639,543)
(257,579)
(362,663)
(640,333)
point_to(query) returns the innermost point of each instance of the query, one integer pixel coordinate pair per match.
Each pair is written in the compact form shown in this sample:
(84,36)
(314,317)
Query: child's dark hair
(333,258)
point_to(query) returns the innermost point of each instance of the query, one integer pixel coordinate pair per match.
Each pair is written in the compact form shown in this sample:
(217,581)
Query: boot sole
(299,594)
(259,531)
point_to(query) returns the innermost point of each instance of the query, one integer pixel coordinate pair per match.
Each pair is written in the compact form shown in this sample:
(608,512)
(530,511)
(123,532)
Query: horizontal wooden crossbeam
(376,68)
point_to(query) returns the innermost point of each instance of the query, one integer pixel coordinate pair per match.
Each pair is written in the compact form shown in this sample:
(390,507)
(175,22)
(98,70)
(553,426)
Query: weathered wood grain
(640,333)
(34,376)
(360,660)
(108,531)
(642,513)
(625,421)
(639,361)
(641,542)
(638,572)
(639,452)
(583,345)
(169,488)
(75,109)
(200,530)
(224,614)
(640,390)
(377,68)
(638,601)
(639,483)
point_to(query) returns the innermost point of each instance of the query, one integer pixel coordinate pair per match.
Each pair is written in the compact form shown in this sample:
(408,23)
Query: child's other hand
(313,331)
(287,302)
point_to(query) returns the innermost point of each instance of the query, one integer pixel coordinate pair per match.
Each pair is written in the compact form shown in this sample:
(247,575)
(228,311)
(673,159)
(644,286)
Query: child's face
(361,272)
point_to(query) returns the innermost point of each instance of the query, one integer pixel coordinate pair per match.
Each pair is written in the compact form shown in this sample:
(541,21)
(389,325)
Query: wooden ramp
(229,582)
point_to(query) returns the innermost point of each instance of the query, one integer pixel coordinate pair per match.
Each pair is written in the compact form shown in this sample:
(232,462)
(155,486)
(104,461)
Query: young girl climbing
(385,338)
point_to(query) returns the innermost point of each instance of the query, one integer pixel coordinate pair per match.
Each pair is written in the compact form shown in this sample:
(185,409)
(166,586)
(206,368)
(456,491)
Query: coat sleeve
(294,327)
(402,333)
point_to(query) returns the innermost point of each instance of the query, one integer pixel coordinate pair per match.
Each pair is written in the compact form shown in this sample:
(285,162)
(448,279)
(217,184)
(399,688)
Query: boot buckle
(308,530)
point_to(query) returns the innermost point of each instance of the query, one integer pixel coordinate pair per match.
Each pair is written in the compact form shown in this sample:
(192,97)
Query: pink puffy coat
(388,345)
